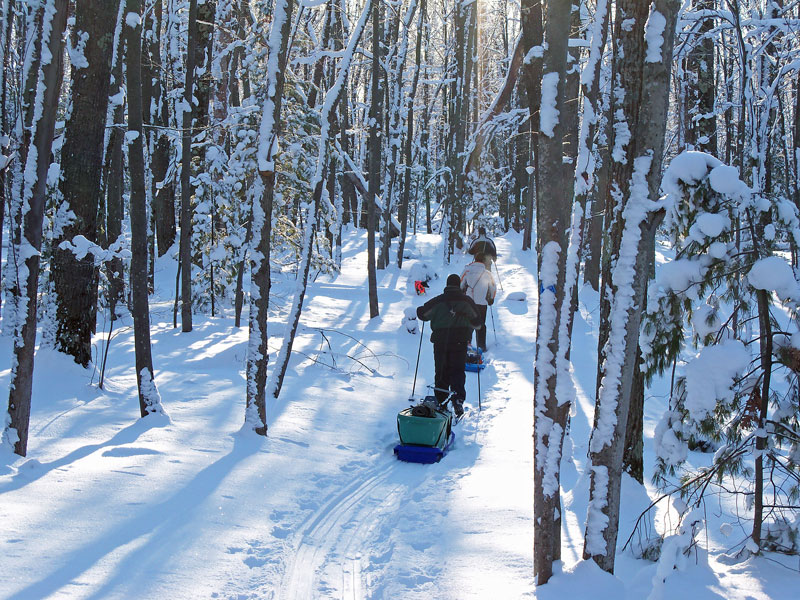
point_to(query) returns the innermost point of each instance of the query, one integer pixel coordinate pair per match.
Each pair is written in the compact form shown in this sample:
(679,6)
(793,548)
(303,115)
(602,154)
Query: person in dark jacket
(483,245)
(453,316)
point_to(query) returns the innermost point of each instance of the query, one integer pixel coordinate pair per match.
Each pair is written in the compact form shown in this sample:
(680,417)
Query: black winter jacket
(453,316)
(483,245)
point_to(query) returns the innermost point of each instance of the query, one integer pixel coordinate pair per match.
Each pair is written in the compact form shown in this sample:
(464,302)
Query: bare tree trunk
(239,294)
(585,182)
(6,22)
(483,131)
(765,344)
(410,136)
(349,199)
(550,411)
(425,159)
(185,250)
(114,172)
(569,115)
(796,142)
(532,36)
(348,189)
(643,88)
(633,456)
(201,121)
(149,399)
(459,108)
(701,131)
(37,164)
(76,280)
(592,267)
(374,157)
(28,46)
(258,352)
(163,182)
(393,96)
(6,19)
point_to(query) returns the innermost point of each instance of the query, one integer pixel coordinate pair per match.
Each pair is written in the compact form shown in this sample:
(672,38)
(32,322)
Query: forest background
(244,135)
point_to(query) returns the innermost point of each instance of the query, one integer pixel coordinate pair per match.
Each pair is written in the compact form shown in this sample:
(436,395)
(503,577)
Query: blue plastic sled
(423,454)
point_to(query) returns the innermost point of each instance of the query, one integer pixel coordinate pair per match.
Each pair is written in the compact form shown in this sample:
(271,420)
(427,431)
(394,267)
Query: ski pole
(479,390)
(491,312)
(496,270)
(414,387)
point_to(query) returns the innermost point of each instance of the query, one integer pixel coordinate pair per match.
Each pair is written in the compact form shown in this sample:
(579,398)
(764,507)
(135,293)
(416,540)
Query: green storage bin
(423,431)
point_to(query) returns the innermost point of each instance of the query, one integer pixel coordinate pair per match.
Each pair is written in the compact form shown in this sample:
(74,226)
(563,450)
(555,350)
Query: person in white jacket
(478,284)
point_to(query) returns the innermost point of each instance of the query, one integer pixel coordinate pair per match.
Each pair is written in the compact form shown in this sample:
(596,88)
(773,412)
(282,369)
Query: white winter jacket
(478,284)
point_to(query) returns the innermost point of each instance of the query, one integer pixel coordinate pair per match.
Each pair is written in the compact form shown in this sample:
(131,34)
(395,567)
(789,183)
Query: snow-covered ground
(111,506)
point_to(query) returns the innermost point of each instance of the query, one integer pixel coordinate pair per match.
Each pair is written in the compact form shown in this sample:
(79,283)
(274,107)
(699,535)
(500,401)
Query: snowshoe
(458,408)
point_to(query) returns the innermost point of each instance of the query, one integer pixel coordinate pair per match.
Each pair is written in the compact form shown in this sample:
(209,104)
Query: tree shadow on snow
(164,526)
(33,470)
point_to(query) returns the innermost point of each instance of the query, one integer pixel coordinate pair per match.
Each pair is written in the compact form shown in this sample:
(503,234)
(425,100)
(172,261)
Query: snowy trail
(321,508)
(378,536)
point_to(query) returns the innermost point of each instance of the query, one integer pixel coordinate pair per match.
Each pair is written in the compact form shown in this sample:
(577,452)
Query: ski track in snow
(338,533)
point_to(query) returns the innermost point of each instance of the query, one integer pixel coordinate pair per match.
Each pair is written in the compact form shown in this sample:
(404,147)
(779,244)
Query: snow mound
(574,583)
(517,297)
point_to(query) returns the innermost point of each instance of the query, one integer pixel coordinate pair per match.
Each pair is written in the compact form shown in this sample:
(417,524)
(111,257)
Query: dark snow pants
(449,359)
(480,334)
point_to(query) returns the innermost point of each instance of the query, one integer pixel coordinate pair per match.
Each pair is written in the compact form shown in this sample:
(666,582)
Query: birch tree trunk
(149,398)
(75,279)
(45,102)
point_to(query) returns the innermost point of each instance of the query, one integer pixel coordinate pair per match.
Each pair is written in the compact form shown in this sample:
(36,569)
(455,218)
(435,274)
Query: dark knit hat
(453,279)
